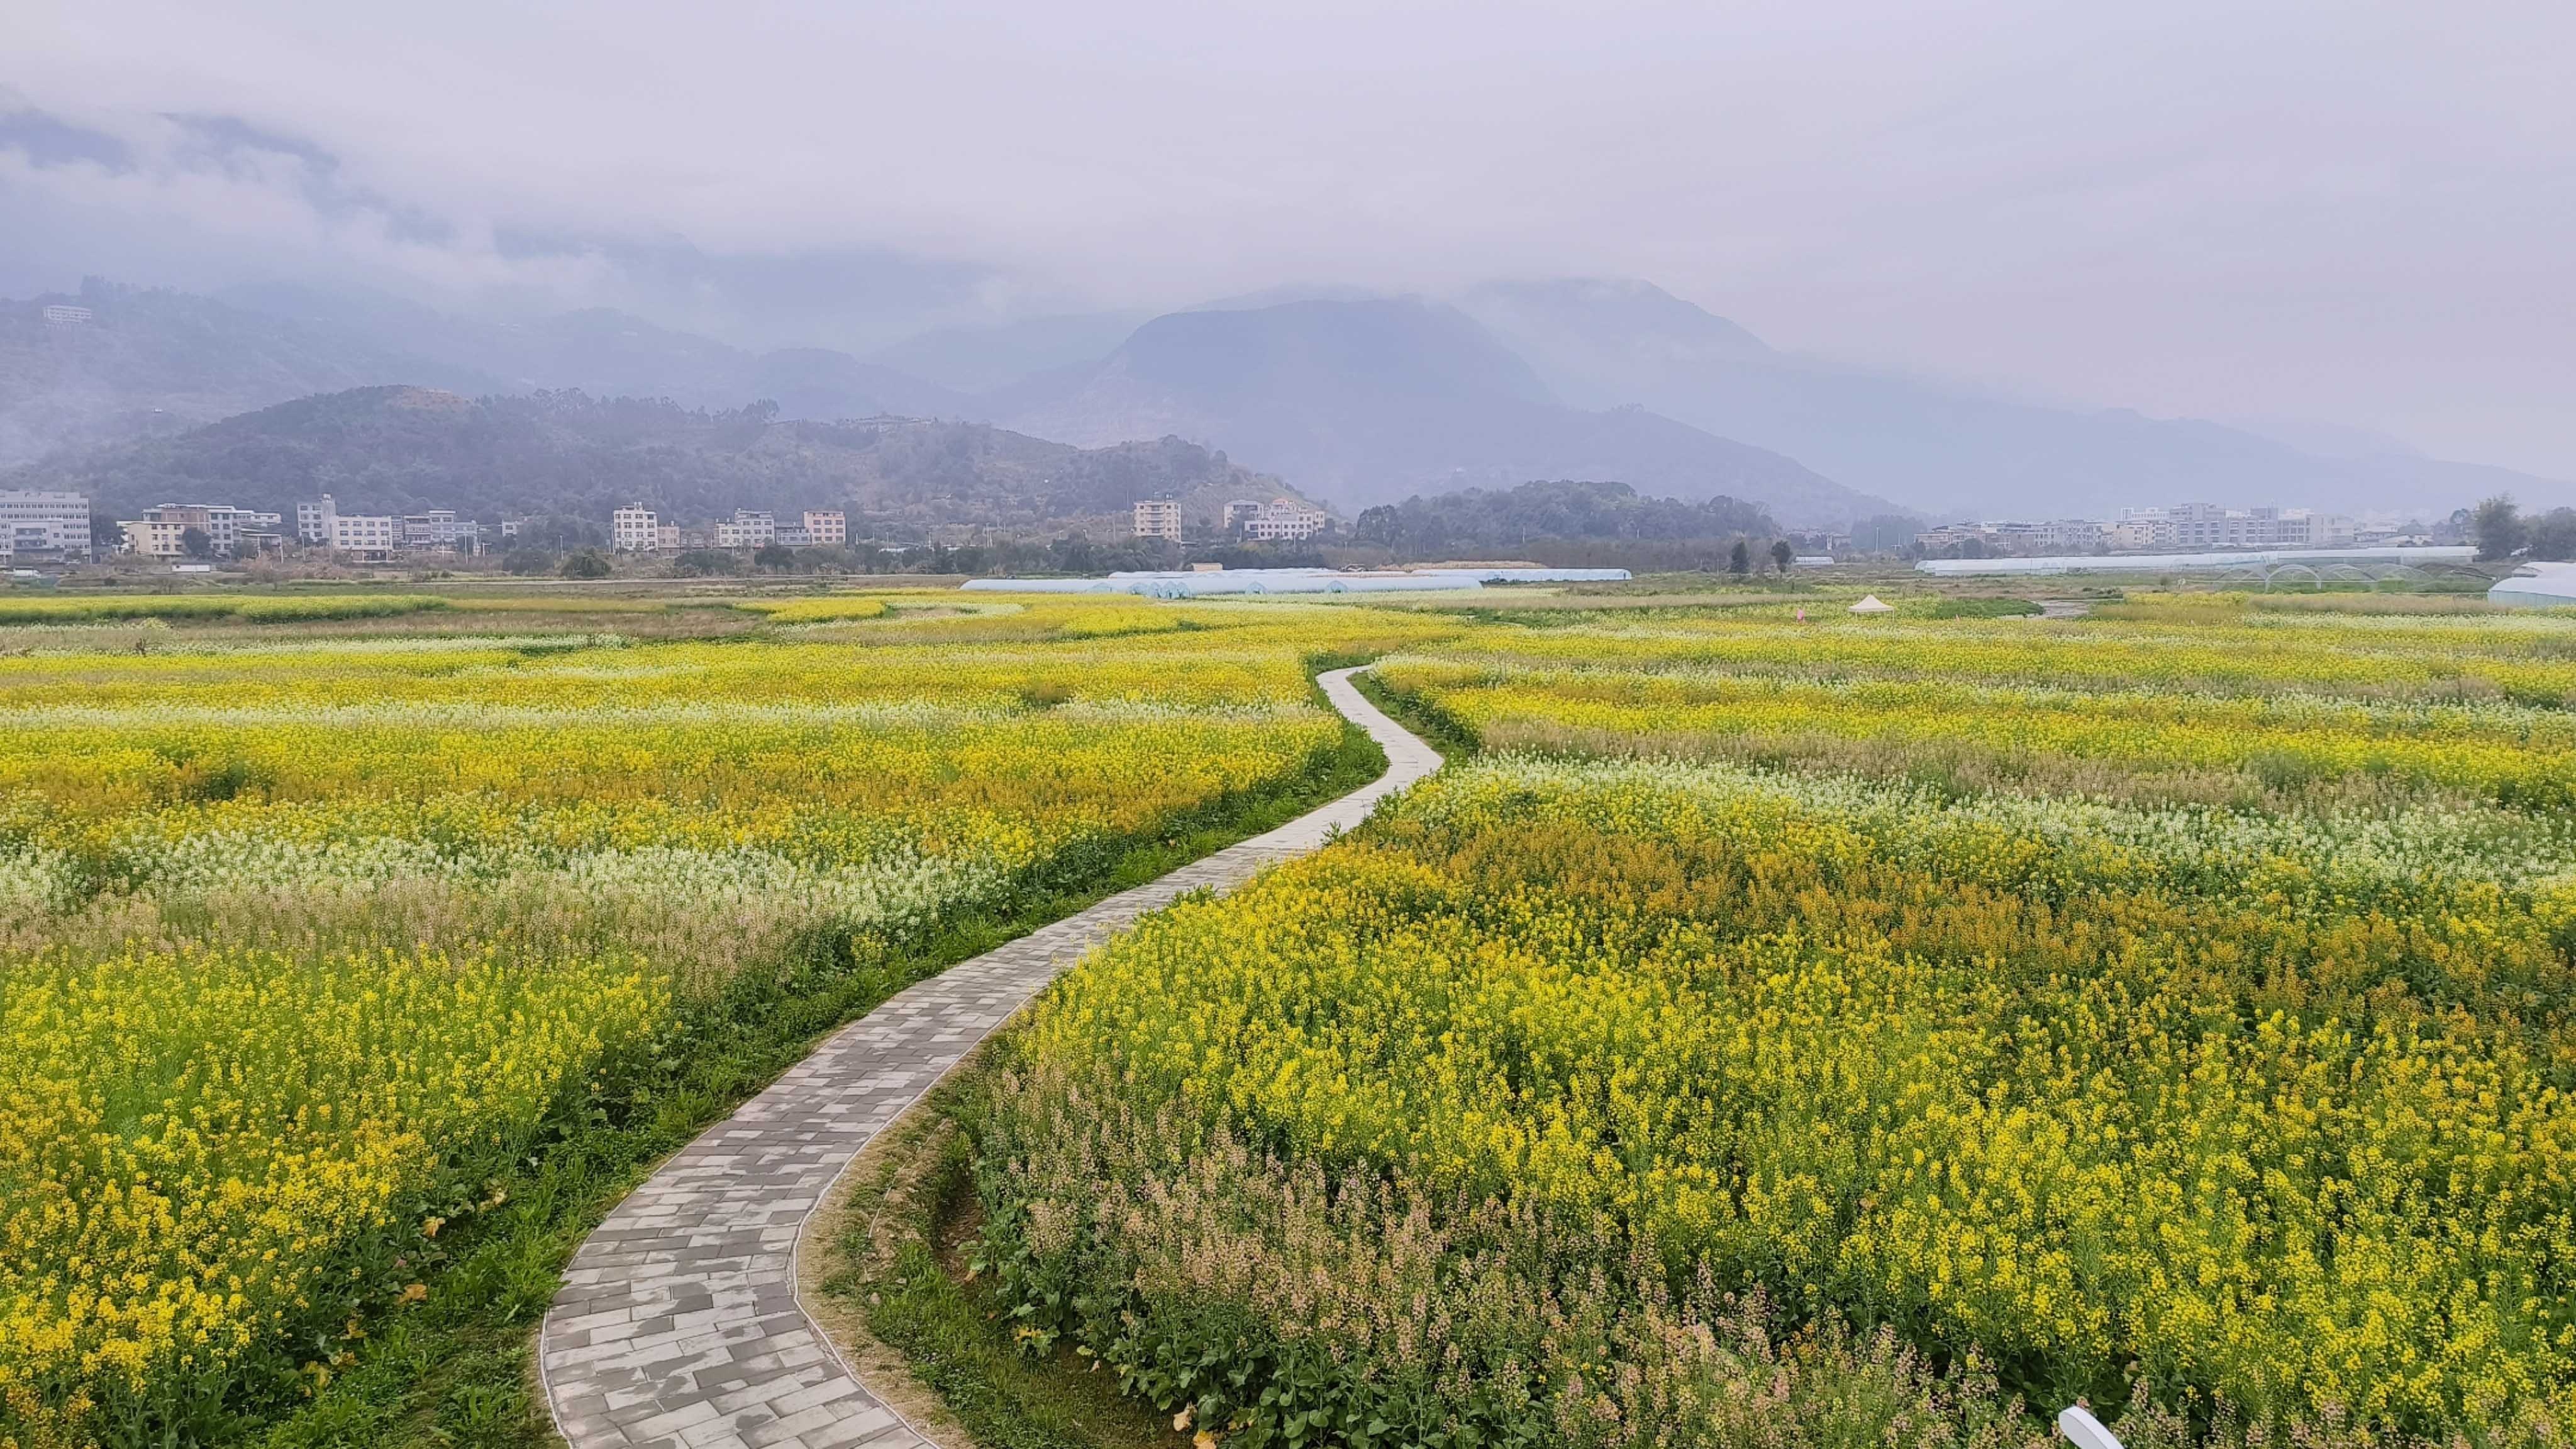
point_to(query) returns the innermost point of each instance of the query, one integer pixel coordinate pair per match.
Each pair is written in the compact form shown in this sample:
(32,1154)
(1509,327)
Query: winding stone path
(678,1324)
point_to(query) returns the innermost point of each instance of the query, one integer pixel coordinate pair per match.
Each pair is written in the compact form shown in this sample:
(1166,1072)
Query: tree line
(2504,531)
(1566,523)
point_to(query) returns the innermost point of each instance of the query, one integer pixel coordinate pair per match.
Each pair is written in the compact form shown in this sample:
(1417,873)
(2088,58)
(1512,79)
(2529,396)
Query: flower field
(251,608)
(309,942)
(1856,1031)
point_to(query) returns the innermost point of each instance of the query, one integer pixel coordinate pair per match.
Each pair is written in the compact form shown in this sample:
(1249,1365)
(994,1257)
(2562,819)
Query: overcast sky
(2353,211)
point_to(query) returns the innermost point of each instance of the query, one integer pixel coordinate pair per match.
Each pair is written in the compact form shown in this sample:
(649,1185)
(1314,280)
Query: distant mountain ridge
(983,359)
(405,449)
(153,361)
(1945,449)
(1370,401)
(1356,397)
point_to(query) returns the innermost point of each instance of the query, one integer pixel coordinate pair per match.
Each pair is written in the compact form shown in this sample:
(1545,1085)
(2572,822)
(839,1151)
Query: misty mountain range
(1352,398)
(407,449)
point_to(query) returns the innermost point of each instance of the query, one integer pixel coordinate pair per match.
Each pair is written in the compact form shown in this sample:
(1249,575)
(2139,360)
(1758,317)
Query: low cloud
(2356,211)
(263,204)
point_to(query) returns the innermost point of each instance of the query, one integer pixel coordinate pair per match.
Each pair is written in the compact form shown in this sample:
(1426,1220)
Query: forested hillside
(151,361)
(403,449)
(1559,522)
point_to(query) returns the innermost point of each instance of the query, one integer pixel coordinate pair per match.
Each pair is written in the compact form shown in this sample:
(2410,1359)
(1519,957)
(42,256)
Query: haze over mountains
(407,449)
(1371,401)
(1943,449)
(1352,398)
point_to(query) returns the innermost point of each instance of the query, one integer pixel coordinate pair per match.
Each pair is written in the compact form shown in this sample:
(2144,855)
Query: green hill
(404,449)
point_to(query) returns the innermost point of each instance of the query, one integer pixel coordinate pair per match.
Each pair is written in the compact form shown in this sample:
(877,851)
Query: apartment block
(633,529)
(747,529)
(368,535)
(2190,527)
(1283,520)
(34,521)
(313,521)
(1158,518)
(162,531)
(827,527)
(2209,526)
(440,528)
(154,539)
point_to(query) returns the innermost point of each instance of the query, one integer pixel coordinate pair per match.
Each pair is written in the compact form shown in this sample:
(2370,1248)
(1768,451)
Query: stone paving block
(677,1323)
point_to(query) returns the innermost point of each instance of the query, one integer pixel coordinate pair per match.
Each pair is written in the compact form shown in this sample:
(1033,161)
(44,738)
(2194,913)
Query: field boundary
(680,1321)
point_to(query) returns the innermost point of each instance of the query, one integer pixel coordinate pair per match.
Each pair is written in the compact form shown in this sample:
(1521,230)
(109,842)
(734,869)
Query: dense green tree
(1886,533)
(703,561)
(556,532)
(2552,535)
(2498,527)
(1781,554)
(1739,559)
(1547,520)
(590,563)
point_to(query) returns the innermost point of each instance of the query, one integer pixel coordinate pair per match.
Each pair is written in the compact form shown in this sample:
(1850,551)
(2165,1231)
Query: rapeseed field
(1840,1031)
(1767,1030)
(309,942)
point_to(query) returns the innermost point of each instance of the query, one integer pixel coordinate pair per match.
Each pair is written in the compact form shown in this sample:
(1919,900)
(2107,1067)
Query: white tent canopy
(1869,604)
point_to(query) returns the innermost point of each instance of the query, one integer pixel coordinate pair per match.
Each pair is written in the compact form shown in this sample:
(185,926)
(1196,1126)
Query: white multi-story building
(2324,530)
(1284,520)
(2060,535)
(223,526)
(634,529)
(2197,527)
(63,315)
(2208,526)
(1158,518)
(41,522)
(313,521)
(747,529)
(440,528)
(827,527)
(793,535)
(368,535)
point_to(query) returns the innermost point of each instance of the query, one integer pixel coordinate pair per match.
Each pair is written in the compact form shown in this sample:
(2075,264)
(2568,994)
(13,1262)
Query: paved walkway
(678,1322)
